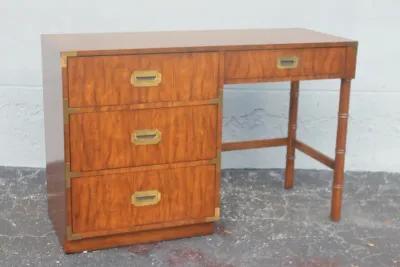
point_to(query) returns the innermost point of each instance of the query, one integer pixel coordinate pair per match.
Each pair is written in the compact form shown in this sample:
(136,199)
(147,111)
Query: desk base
(138,237)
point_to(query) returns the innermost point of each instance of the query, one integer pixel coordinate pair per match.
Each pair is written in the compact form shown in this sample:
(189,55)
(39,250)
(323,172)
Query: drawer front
(105,140)
(284,64)
(132,79)
(119,202)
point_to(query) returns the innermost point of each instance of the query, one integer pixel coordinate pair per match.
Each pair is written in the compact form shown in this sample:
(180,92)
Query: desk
(133,125)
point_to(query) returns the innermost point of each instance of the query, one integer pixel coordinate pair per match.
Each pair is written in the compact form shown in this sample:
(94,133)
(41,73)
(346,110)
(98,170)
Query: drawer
(115,139)
(132,79)
(284,64)
(121,202)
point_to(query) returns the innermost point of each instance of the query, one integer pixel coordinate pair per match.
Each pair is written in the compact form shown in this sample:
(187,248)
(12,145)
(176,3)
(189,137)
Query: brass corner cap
(64,57)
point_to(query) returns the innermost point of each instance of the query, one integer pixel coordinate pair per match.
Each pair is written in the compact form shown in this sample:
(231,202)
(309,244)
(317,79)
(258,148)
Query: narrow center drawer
(130,138)
(119,202)
(132,79)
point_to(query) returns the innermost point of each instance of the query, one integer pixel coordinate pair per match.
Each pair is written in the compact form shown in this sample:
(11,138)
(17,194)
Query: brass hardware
(64,57)
(217,100)
(146,198)
(213,161)
(217,212)
(216,216)
(69,175)
(214,101)
(145,78)
(67,110)
(290,157)
(218,159)
(70,235)
(340,151)
(287,62)
(146,137)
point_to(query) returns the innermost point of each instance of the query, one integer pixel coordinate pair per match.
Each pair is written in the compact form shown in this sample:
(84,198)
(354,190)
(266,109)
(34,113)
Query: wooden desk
(133,125)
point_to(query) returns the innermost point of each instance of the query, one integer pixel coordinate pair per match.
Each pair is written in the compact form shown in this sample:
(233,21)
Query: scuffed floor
(262,225)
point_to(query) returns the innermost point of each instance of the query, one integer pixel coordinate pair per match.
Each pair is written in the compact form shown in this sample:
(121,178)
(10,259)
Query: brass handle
(288,62)
(145,78)
(145,198)
(146,137)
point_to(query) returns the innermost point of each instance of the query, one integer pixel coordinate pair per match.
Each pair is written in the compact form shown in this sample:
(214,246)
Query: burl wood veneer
(133,125)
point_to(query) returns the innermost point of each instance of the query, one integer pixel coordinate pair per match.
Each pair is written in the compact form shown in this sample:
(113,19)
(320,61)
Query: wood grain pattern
(105,80)
(103,140)
(104,203)
(138,237)
(262,64)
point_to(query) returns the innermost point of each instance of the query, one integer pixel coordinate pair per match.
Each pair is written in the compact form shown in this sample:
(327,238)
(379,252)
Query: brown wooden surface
(103,140)
(217,65)
(292,127)
(351,62)
(315,154)
(103,203)
(230,146)
(138,237)
(105,80)
(338,173)
(180,41)
(262,64)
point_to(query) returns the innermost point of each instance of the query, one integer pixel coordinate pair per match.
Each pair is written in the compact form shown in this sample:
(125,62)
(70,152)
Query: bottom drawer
(126,202)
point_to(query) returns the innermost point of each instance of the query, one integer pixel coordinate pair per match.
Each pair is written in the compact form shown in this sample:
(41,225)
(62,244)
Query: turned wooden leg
(290,155)
(338,173)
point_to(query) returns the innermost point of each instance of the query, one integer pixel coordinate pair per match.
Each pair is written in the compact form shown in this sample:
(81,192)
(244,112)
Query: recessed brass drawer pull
(145,198)
(146,137)
(145,78)
(288,62)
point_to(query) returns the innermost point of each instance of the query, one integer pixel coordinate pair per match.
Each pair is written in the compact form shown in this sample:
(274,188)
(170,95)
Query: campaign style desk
(133,125)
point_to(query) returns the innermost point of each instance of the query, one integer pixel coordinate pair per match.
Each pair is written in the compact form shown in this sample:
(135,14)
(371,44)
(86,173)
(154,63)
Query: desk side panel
(54,136)
(351,61)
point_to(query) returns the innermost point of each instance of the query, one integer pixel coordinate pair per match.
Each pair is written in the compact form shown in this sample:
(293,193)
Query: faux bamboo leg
(338,174)
(290,155)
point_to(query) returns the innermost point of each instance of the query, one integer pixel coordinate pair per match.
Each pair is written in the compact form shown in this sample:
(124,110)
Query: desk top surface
(87,43)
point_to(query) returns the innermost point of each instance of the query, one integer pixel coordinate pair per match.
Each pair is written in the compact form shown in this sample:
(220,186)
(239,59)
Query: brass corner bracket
(64,57)
(216,217)
(67,110)
(71,236)
(69,175)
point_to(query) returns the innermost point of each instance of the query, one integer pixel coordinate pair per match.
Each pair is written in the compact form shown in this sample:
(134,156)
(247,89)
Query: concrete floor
(262,225)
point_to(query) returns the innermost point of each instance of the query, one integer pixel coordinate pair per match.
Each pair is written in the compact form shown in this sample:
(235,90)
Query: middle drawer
(131,138)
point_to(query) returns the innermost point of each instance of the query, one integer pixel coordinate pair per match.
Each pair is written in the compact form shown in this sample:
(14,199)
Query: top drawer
(132,79)
(284,64)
